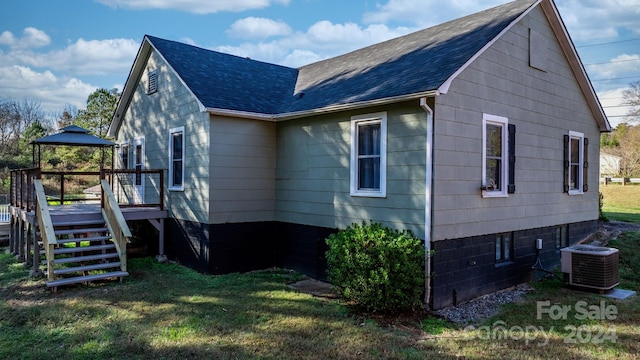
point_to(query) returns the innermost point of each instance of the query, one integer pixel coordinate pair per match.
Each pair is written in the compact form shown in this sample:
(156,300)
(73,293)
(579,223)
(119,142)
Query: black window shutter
(585,166)
(512,159)
(566,163)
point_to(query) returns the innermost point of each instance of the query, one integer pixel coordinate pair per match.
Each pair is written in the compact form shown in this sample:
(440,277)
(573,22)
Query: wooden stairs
(84,252)
(82,248)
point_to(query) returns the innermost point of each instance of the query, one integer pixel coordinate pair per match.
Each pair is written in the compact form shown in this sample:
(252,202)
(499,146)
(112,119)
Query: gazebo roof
(74,136)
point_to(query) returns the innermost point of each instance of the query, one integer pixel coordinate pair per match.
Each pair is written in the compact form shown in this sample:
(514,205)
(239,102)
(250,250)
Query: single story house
(475,134)
(609,164)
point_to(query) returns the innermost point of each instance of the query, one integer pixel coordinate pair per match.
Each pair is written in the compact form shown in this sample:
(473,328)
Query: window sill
(176,188)
(494,194)
(504,263)
(371,193)
(575,192)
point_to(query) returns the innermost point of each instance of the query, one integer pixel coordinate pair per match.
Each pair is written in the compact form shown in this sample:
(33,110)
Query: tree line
(624,140)
(23,121)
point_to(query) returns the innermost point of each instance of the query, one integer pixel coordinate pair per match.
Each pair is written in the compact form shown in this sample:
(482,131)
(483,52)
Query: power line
(620,78)
(608,43)
(613,62)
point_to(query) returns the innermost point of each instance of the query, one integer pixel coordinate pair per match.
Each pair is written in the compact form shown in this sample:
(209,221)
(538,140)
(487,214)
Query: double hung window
(498,156)
(368,155)
(176,158)
(576,164)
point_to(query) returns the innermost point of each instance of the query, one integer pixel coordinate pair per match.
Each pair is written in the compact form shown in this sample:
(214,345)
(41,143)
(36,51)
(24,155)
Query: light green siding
(242,170)
(152,116)
(312,176)
(544,106)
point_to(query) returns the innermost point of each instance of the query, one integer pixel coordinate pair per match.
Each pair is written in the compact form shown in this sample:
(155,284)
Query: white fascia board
(129,87)
(136,72)
(353,106)
(318,111)
(240,114)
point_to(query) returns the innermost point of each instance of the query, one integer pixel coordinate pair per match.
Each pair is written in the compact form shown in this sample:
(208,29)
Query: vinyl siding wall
(151,116)
(313,162)
(544,106)
(242,168)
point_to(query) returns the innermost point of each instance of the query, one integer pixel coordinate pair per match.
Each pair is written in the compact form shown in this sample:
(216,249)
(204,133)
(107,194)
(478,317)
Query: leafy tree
(15,118)
(624,142)
(66,118)
(101,104)
(632,98)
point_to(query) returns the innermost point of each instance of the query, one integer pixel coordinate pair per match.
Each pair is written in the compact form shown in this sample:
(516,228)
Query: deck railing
(116,223)
(46,226)
(131,188)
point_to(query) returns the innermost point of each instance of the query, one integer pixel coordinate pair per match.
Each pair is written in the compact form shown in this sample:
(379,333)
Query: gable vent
(152,85)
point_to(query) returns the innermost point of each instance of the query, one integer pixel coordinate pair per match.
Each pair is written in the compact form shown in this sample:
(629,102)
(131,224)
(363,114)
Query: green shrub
(601,216)
(378,268)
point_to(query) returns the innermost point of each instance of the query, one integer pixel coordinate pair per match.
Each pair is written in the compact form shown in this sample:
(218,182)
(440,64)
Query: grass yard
(166,311)
(621,202)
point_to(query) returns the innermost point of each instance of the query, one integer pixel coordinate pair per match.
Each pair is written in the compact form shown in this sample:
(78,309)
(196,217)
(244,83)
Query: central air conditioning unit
(589,266)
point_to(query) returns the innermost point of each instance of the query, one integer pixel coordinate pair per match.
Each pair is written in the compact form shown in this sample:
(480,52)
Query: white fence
(623,181)
(4,214)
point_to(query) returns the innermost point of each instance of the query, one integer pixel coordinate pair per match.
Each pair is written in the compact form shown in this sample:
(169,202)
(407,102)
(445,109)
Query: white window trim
(179,129)
(579,190)
(120,152)
(380,118)
(504,123)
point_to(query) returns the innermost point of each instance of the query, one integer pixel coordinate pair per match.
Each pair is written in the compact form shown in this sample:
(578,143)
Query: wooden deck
(78,211)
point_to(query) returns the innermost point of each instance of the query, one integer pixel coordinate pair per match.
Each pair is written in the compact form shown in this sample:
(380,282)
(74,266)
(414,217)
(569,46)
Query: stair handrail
(43,218)
(115,222)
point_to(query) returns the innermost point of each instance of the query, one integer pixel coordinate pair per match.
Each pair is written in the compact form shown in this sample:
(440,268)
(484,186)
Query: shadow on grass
(166,311)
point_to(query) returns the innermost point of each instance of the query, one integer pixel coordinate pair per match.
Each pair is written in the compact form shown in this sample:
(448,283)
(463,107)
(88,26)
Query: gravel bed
(483,307)
(487,306)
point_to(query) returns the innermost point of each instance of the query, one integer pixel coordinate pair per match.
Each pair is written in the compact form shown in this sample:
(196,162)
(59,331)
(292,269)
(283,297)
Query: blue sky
(58,52)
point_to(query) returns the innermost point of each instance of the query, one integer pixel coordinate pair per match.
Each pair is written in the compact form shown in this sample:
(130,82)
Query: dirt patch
(315,288)
(608,230)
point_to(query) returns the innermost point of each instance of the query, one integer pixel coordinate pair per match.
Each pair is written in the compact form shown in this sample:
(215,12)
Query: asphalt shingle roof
(411,64)
(227,81)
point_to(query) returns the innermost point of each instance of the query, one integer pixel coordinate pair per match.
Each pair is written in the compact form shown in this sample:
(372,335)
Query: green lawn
(621,202)
(167,311)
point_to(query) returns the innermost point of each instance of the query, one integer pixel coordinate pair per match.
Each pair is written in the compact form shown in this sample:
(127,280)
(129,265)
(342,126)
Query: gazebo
(72,135)
(82,241)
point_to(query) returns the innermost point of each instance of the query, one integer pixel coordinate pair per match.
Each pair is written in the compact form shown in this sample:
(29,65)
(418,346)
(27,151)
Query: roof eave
(129,88)
(355,105)
(318,111)
(134,74)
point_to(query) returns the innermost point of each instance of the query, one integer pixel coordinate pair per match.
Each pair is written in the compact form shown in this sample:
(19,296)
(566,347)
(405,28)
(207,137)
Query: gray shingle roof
(411,64)
(73,135)
(227,81)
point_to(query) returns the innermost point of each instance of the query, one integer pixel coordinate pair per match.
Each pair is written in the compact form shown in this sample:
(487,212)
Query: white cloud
(616,67)
(194,6)
(612,104)
(53,92)
(31,38)
(7,38)
(84,57)
(426,13)
(322,40)
(258,28)
(589,20)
